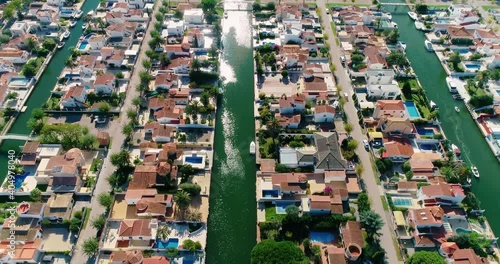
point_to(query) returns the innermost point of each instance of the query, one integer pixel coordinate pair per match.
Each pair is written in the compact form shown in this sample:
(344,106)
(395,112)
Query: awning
(399,218)
(374,135)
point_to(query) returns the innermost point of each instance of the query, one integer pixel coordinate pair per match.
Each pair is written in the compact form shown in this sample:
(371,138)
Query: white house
(385,108)
(96,42)
(138,4)
(16,57)
(486,36)
(324,113)
(455,10)
(443,193)
(292,104)
(115,18)
(160,133)
(383,91)
(74,97)
(121,7)
(165,81)
(194,16)
(56,2)
(175,27)
(87,64)
(133,196)
(425,218)
(6,66)
(291,33)
(45,17)
(104,83)
(19,28)
(467,18)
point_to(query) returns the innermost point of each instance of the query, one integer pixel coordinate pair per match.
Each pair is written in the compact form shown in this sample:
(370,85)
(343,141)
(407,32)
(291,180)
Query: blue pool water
(83,45)
(411,108)
(19,179)
(425,131)
(270,193)
(498,92)
(472,66)
(281,207)
(67,12)
(426,146)
(200,53)
(19,82)
(170,243)
(402,201)
(323,237)
(194,160)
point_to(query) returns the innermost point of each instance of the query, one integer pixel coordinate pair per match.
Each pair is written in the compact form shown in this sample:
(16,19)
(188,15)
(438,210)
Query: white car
(365,143)
(101,120)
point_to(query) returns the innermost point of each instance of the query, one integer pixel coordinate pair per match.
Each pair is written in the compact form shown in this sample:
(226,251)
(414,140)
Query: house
(133,196)
(294,158)
(289,121)
(6,66)
(121,7)
(165,81)
(19,28)
(383,91)
(486,36)
(114,18)
(75,97)
(396,125)
(30,153)
(116,59)
(375,60)
(180,65)
(328,156)
(104,83)
(160,133)
(352,239)
(455,10)
(135,257)
(330,204)
(87,64)
(448,248)
(292,104)
(96,42)
(459,34)
(335,255)
(426,218)
(443,193)
(324,113)
(467,18)
(139,233)
(398,149)
(285,11)
(467,256)
(16,57)
(180,96)
(145,176)
(66,165)
(407,186)
(44,17)
(194,38)
(193,16)
(422,167)
(389,108)
(25,252)
(289,183)
(175,28)
(59,207)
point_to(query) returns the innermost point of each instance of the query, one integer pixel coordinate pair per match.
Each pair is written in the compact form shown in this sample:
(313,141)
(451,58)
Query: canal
(459,128)
(41,91)
(232,218)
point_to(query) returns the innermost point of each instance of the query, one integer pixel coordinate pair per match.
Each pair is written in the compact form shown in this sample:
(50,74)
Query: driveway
(374,191)
(115,129)
(57,239)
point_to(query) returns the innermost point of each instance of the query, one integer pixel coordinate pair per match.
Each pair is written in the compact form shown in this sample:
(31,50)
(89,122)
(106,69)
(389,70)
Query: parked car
(367,146)
(101,119)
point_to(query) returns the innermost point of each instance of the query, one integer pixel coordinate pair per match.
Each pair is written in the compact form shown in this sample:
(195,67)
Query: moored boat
(452,86)
(402,45)
(413,15)
(252,148)
(66,34)
(475,171)
(456,150)
(72,23)
(428,46)
(85,25)
(78,14)
(434,106)
(61,44)
(457,109)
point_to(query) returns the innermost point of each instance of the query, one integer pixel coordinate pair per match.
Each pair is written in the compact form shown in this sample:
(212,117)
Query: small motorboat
(79,14)
(456,150)
(428,45)
(60,45)
(434,106)
(457,109)
(475,171)
(72,23)
(419,25)
(402,45)
(457,97)
(252,148)
(469,180)
(66,34)
(85,25)
(413,15)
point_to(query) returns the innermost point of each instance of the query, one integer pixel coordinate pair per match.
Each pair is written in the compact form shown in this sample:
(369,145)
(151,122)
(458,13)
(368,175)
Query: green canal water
(459,128)
(42,90)
(232,218)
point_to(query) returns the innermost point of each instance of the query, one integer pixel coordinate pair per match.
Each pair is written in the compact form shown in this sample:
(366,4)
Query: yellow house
(397,125)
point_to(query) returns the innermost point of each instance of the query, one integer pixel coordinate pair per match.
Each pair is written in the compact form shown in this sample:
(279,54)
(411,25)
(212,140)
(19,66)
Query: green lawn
(413,84)
(334,29)
(268,153)
(487,8)
(344,4)
(474,90)
(438,6)
(271,214)
(384,203)
(86,218)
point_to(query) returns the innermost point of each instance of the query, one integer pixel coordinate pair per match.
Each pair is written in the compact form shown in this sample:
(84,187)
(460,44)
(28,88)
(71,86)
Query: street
(115,132)
(374,191)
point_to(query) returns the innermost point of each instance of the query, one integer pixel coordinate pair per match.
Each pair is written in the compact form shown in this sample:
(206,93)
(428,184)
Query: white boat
(475,171)
(469,180)
(428,45)
(434,106)
(252,148)
(61,44)
(72,23)
(66,34)
(85,25)
(419,25)
(413,15)
(79,14)
(452,86)
(402,45)
(457,109)
(456,150)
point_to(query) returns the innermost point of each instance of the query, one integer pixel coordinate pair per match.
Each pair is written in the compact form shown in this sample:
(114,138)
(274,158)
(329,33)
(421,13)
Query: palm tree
(182,199)
(193,215)
(371,222)
(147,64)
(163,232)
(164,59)
(31,44)
(91,246)
(196,65)
(381,151)
(136,102)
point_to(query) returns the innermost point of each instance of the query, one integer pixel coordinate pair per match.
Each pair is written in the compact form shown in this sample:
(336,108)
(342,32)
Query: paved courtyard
(57,239)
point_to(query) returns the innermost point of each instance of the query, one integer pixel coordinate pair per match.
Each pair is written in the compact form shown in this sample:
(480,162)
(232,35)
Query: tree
(357,58)
(36,195)
(393,36)
(348,128)
(31,44)
(192,188)
(163,232)
(455,58)
(196,65)
(147,64)
(363,202)
(270,251)
(119,75)
(316,254)
(164,59)
(12,96)
(29,70)
(407,89)
(91,246)
(292,210)
(36,120)
(284,73)
(136,102)
(208,5)
(159,16)
(324,51)
(182,199)
(105,200)
(193,215)
(127,130)
(121,159)
(104,107)
(191,245)
(425,257)
(99,222)
(172,252)
(371,222)
(49,44)
(397,58)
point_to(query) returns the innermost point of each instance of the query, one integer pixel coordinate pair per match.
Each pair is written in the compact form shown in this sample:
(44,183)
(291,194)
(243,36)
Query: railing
(17,137)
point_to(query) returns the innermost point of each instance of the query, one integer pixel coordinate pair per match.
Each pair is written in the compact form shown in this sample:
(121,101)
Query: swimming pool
(170,243)
(83,45)
(19,179)
(281,207)
(498,92)
(200,53)
(461,51)
(323,237)
(19,82)
(66,12)
(402,201)
(472,66)
(424,131)
(411,108)
(270,193)
(194,159)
